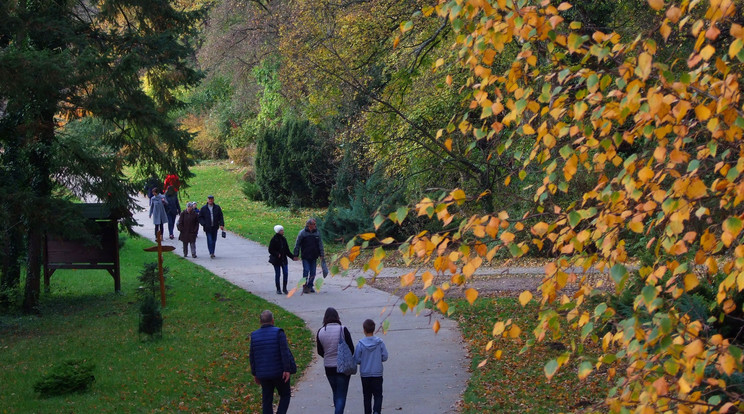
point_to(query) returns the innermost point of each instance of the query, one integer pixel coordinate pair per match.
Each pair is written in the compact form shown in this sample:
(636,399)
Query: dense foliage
(86,90)
(646,118)
(293,166)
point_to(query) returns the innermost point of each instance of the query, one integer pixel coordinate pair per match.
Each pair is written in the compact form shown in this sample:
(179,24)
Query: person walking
(328,343)
(173,209)
(212,220)
(188,227)
(157,211)
(271,364)
(370,354)
(309,247)
(279,251)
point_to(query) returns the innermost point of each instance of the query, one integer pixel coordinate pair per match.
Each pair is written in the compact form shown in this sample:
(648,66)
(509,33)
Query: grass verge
(516,383)
(199,365)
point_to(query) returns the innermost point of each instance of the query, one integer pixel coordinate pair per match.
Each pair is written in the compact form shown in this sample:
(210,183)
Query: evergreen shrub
(295,164)
(75,375)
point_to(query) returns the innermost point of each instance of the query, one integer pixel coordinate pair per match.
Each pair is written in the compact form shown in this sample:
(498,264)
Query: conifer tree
(118,62)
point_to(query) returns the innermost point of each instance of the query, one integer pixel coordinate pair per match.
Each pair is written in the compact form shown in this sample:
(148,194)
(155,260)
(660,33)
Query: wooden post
(160,249)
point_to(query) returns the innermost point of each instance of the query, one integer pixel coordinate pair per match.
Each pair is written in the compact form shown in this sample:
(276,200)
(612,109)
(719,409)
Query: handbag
(324,267)
(273,260)
(344,359)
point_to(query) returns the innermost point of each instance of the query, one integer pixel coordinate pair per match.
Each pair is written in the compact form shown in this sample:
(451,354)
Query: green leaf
(585,368)
(361,281)
(649,294)
(551,368)
(379,219)
(618,272)
(586,330)
(574,218)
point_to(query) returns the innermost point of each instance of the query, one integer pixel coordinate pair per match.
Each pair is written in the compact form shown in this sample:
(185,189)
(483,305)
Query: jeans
(339,386)
(309,266)
(171,222)
(285,269)
(211,240)
(372,386)
(267,395)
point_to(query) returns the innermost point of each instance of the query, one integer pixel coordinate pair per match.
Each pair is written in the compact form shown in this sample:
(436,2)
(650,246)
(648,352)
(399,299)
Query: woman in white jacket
(327,339)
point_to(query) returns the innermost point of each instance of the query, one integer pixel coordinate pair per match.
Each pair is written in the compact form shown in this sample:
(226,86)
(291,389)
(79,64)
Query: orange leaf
(471,295)
(656,4)
(525,297)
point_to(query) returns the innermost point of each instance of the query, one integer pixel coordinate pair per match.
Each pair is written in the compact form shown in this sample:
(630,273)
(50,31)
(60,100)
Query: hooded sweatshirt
(370,354)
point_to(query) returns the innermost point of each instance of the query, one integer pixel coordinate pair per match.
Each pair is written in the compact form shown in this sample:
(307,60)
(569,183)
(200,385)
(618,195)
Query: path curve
(426,372)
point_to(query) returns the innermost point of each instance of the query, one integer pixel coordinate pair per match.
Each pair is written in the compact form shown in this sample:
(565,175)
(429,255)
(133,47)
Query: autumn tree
(86,90)
(655,118)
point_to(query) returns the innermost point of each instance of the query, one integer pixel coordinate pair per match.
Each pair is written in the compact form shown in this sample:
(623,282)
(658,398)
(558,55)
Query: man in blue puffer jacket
(271,363)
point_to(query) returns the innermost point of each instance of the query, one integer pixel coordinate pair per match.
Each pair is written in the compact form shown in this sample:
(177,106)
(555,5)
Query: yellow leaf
(458,195)
(735,47)
(729,306)
(564,6)
(427,278)
(636,226)
(728,364)
(344,262)
(702,112)
(442,306)
(707,52)
(498,328)
(656,4)
(644,66)
(367,236)
(514,331)
(691,281)
(693,349)
(411,299)
(435,327)
(482,363)
(387,240)
(507,237)
(471,295)
(407,279)
(448,144)
(525,297)
(540,228)
(646,174)
(497,354)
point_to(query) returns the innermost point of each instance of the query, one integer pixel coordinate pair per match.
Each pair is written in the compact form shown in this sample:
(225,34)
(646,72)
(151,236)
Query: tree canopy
(86,90)
(653,116)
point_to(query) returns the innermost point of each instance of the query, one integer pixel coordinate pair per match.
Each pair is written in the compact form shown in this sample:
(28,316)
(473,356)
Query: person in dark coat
(188,226)
(309,246)
(173,209)
(270,363)
(212,220)
(279,251)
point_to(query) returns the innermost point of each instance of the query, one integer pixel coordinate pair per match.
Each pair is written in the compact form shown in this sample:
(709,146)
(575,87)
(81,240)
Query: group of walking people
(165,208)
(272,362)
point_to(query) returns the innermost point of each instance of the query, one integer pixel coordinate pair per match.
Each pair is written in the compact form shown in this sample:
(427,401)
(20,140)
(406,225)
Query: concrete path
(426,372)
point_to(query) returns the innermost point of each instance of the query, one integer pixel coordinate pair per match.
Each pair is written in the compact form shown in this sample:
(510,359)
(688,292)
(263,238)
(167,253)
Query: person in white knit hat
(278,254)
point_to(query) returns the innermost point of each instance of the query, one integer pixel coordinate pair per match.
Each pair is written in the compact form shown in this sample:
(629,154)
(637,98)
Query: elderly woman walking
(279,251)
(188,226)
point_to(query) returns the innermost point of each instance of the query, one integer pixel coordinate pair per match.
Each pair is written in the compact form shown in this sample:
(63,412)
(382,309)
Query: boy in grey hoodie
(370,354)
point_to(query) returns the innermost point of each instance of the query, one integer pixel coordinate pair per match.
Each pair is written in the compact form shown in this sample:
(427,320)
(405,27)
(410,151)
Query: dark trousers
(171,222)
(285,269)
(339,386)
(309,267)
(159,228)
(211,239)
(267,395)
(372,387)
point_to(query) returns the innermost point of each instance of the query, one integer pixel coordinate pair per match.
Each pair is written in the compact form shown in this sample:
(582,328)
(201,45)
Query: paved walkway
(426,372)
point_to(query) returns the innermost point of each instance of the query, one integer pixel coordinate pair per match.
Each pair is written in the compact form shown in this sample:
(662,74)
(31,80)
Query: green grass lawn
(252,220)
(516,383)
(199,365)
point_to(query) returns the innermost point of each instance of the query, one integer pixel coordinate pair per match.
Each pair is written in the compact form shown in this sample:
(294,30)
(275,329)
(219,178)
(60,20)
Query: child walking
(370,354)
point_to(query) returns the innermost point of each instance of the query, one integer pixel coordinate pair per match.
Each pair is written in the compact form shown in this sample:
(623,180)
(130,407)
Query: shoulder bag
(344,359)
